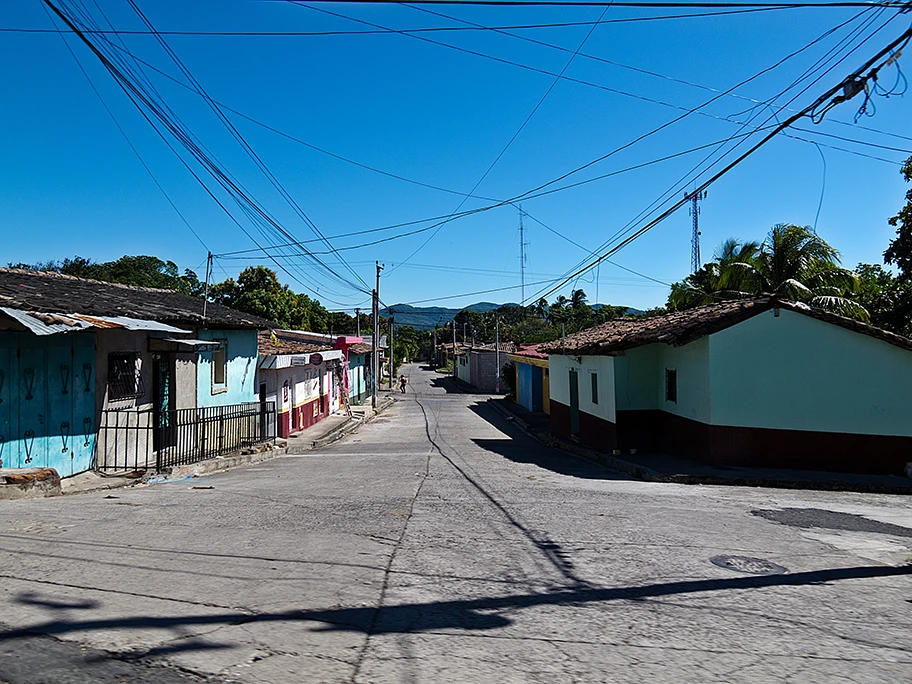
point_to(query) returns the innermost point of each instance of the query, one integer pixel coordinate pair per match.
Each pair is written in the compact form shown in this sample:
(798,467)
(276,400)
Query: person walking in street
(402,383)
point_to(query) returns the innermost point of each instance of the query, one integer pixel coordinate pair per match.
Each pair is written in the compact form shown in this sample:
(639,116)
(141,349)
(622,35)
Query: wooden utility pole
(392,353)
(206,291)
(497,353)
(375,352)
(453,323)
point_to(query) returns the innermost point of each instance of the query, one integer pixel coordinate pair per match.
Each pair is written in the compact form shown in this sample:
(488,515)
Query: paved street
(441,544)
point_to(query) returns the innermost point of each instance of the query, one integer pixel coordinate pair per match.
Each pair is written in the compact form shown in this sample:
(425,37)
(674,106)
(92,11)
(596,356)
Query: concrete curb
(649,475)
(351,425)
(28,483)
(215,465)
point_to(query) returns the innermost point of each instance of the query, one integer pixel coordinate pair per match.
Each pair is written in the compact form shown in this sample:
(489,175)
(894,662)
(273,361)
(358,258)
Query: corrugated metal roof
(42,323)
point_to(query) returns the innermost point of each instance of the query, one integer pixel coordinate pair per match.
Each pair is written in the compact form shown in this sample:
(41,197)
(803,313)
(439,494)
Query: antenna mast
(522,257)
(695,198)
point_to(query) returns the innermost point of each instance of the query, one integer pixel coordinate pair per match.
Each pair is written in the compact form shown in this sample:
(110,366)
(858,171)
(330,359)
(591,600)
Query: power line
(488,199)
(127,139)
(374,32)
(675,188)
(829,98)
(607,3)
(247,147)
(144,100)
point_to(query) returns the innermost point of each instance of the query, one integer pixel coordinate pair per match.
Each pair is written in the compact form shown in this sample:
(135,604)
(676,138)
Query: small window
(671,385)
(220,367)
(124,377)
(594,377)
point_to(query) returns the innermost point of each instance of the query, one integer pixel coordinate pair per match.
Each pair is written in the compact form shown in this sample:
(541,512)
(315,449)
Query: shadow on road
(522,448)
(469,614)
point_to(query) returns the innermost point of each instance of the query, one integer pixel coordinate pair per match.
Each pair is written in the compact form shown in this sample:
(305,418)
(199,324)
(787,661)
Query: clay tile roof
(46,292)
(531,350)
(680,327)
(278,346)
(360,348)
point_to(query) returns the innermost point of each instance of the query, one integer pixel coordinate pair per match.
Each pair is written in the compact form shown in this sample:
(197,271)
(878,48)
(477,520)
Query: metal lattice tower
(522,257)
(695,197)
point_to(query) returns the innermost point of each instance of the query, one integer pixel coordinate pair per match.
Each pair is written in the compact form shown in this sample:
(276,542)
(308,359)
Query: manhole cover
(752,566)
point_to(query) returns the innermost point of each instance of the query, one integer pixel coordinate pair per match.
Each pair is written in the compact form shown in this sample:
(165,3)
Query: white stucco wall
(463,368)
(795,372)
(603,366)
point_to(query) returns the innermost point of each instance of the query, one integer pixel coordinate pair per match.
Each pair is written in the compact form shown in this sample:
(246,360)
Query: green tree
(899,252)
(886,298)
(258,291)
(717,279)
(142,271)
(793,262)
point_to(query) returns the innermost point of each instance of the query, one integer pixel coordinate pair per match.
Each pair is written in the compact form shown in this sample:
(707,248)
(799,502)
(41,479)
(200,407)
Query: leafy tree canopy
(793,261)
(142,271)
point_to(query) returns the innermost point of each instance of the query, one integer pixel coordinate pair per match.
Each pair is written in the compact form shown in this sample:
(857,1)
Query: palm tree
(796,263)
(557,311)
(577,299)
(793,262)
(541,308)
(717,279)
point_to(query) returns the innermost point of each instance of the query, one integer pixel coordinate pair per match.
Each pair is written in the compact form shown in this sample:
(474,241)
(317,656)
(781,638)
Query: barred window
(124,376)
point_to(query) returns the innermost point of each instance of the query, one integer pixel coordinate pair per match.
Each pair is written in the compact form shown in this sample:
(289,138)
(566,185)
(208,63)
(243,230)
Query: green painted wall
(795,372)
(693,379)
(640,375)
(635,374)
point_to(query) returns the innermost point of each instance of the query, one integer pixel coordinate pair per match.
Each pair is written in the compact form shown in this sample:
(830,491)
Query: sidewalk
(337,426)
(664,468)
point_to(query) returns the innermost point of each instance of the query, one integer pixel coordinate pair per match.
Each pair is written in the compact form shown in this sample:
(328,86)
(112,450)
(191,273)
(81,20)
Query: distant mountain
(426,317)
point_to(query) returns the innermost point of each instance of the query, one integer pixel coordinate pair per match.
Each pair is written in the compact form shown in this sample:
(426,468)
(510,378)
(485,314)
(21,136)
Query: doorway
(574,403)
(163,436)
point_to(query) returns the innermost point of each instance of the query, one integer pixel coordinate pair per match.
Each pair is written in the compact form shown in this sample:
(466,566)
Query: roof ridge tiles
(93,281)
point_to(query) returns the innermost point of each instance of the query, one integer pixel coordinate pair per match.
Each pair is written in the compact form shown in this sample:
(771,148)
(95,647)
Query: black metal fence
(147,439)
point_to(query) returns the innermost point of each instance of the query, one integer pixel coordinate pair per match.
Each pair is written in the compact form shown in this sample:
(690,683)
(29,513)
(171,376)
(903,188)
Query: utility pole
(695,198)
(375,352)
(497,353)
(392,352)
(434,351)
(463,333)
(206,292)
(453,323)
(522,258)
(358,321)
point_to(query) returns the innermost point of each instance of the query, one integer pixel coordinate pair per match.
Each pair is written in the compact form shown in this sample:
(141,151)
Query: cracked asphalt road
(441,544)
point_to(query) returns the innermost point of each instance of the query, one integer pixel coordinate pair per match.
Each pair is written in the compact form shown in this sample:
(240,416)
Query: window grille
(594,388)
(124,376)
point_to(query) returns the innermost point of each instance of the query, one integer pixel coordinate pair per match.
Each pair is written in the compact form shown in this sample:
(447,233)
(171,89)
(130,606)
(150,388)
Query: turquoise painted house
(114,377)
(762,382)
(359,373)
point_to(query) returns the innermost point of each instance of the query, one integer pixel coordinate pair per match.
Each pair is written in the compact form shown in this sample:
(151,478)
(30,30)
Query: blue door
(47,401)
(33,413)
(9,414)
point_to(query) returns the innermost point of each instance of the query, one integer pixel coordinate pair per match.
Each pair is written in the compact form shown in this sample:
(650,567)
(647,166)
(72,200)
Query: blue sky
(72,185)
